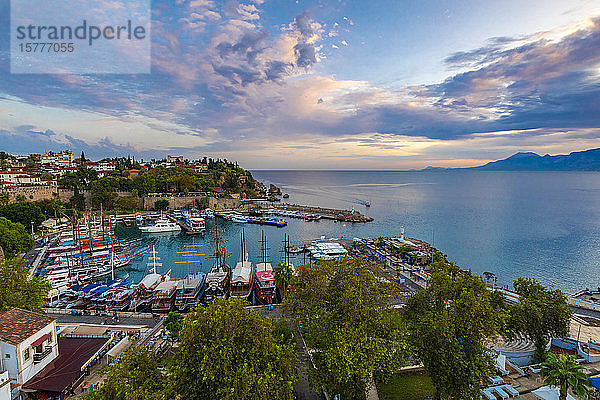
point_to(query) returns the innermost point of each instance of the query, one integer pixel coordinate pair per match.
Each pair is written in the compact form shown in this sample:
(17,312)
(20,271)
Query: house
(4,386)
(132,173)
(28,344)
(201,167)
(63,159)
(175,159)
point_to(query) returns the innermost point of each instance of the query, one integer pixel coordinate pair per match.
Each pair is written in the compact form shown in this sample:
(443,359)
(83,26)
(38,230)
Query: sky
(278,84)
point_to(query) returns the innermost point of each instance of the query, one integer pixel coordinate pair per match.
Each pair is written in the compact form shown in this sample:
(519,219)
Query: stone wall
(33,193)
(181,202)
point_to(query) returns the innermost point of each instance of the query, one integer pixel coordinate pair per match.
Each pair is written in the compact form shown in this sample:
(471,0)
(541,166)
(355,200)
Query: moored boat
(189,291)
(161,225)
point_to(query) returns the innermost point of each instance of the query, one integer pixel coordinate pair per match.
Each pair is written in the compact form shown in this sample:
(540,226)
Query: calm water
(540,224)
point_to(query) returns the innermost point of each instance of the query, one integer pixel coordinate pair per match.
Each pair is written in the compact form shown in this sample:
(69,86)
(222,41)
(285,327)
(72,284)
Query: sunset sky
(278,84)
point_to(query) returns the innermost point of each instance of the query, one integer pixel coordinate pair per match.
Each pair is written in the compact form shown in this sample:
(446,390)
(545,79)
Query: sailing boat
(191,288)
(241,280)
(145,289)
(265,278)
(217,280)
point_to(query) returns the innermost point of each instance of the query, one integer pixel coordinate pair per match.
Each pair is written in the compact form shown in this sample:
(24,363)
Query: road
(97,319)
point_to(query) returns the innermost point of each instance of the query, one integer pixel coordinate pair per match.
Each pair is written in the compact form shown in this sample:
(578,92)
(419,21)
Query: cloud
(222,78)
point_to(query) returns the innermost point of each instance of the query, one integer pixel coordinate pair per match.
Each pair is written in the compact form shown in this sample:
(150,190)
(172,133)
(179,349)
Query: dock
(324,213)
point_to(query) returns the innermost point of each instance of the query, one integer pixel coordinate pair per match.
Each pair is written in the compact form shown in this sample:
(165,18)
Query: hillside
(588,160)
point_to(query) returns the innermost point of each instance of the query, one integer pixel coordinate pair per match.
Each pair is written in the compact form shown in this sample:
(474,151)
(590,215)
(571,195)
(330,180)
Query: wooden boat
(242,274)
(217,280)
(189,291)
(265,283)
(163,298)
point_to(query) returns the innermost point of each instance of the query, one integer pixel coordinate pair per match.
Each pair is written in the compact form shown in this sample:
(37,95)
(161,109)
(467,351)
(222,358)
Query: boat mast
(263,247)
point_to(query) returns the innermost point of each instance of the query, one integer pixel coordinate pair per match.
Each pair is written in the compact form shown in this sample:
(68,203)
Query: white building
(28,343)
(63,159)
(4,386)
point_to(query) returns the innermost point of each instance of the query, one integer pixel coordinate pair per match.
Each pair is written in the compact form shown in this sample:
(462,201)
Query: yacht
(241,277)
(217,280)
(264,281)
(145,289)
(161,225)
(189,291)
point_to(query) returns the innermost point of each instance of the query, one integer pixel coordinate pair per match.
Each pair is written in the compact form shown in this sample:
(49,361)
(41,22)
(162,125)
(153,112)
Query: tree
(489,277)
(283,275)
(23,212)
(102,195)
(540,314)
(14,238)
(78,200)
(4,198)
(137,376)
(345,310)
(161,205)
(563,372)
(128,202)
(449,324)
(16,290)
(82,157)
(228,352)
(173,323)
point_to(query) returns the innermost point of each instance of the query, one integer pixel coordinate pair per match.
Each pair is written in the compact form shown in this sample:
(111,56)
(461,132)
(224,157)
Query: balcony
(39,357)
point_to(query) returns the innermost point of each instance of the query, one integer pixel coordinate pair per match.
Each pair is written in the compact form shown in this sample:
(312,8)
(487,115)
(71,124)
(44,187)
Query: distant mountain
(588,160)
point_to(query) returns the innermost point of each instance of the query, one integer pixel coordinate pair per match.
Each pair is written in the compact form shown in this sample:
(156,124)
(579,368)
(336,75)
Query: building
(63,159)
(175,159)
(19,178)
(28,344)
(132,173)
(4,386)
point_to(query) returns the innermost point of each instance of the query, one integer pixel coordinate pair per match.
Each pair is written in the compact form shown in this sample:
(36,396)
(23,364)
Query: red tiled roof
(17,325)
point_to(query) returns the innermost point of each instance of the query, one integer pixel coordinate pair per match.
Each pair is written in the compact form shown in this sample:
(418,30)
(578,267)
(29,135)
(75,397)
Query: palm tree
(563,372)
(283,275)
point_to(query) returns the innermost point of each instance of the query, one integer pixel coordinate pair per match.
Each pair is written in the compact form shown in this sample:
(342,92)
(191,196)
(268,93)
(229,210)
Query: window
(26,354)
(7,355)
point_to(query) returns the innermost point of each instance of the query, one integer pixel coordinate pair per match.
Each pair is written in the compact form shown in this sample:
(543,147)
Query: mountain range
(587,160)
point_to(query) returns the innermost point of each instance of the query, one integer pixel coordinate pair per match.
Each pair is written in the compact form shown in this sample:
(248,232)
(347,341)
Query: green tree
(283,275)
(69,181)
(228,352)
(345,310)
(563,372)
(449,324)
(86,175)
(16,290)
(78,200)
(102,195)
(14,238)
(173,323)
(4,198)
(23,212)
(127,202)
(161,205)
(540,314)
(138,376)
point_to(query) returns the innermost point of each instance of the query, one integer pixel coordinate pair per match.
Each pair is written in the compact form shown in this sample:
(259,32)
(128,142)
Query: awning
(595,382)
(41,340)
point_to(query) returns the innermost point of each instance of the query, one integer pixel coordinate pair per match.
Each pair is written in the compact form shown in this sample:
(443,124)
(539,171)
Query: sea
(544,225)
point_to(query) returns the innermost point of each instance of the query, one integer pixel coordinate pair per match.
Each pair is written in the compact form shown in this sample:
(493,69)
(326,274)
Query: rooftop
(16,325)
(66,369)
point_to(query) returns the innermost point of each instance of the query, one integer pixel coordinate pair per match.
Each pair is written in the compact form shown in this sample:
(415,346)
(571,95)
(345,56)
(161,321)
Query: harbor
(119,264)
